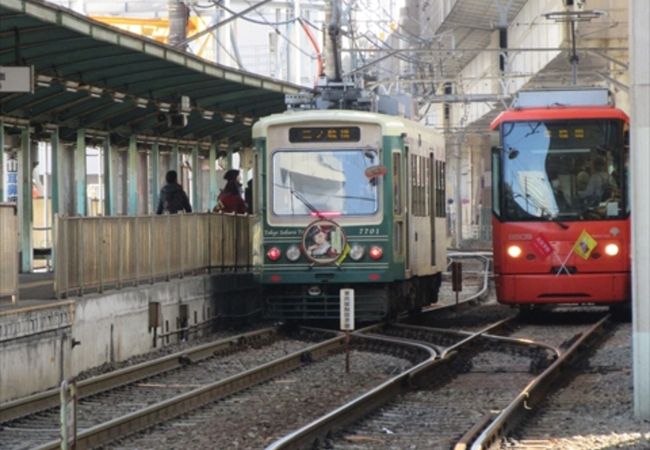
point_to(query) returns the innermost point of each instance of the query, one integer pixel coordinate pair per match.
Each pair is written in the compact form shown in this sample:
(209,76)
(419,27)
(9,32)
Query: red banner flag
(542,246)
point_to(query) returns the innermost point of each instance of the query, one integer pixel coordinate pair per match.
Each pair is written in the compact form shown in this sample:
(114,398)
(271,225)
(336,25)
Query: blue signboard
(12,180)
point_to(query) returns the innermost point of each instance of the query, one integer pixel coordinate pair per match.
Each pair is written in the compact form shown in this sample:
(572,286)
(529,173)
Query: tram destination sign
(16,79)
(324,134)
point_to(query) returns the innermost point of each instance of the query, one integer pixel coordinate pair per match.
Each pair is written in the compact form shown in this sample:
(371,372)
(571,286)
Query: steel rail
(357,408)
(535,392)
(387,391)
(487,335)
(189,401)
(51,398)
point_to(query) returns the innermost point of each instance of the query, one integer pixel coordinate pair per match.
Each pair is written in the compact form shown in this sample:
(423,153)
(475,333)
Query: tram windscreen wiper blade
(562,225)
(305,202)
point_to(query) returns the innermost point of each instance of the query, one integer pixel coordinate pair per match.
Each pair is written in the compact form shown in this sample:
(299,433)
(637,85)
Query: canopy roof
(90,75)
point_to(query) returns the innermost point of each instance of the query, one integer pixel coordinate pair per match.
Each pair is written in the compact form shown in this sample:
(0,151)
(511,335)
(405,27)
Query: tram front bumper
(597,288)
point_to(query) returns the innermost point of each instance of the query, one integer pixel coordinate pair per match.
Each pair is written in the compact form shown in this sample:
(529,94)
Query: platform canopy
(93,76)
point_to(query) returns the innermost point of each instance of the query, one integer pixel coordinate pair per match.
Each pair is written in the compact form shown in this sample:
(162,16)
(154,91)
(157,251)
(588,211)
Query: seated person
(600,186)
(563,204)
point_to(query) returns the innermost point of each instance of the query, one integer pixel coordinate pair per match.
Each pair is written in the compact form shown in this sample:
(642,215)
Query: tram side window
(440,189)
(418,185)
(496,180)
(414,193)
(398,206)
(425,183)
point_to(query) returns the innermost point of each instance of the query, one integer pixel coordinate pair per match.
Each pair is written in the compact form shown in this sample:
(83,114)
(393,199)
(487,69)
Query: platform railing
(97,253)
(8,252)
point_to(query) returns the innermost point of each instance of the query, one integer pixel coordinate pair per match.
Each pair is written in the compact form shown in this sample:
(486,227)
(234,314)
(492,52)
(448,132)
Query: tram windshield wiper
(555,219)
(561,224)
(305,202)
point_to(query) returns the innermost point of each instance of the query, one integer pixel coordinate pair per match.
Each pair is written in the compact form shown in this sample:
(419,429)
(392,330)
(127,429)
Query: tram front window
(563,170)
(328,183)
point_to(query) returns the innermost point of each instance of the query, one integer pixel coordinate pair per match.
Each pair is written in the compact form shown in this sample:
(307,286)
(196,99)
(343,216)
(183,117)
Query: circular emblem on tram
(614,231)
(323,241)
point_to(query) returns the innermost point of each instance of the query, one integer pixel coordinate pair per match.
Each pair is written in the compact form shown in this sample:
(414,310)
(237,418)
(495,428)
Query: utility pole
(295,56)
(179,14)
(332,41)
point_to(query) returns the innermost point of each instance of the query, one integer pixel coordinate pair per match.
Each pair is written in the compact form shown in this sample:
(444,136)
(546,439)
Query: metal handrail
(94,253)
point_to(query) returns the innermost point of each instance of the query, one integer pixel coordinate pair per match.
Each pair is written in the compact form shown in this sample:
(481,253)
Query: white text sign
(347,309)
(16,79)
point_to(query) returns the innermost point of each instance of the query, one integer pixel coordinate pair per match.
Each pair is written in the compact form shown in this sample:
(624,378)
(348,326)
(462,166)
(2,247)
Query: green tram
(347,199)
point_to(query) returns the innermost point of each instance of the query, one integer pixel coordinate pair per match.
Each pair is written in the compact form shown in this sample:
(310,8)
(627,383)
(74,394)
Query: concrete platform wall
(36,345)
(32,347)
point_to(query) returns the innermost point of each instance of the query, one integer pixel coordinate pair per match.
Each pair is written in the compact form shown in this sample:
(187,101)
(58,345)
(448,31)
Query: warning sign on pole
(347,309)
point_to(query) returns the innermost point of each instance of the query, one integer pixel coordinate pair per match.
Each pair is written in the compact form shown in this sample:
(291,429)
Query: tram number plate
(347,309)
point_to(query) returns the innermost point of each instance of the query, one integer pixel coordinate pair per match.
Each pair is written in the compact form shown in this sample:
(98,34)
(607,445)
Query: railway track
(138,390)
(121,402)
(481,385)
(591,407)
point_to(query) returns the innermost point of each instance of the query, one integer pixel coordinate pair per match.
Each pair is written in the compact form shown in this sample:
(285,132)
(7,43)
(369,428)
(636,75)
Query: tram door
(407,202)
(433,182)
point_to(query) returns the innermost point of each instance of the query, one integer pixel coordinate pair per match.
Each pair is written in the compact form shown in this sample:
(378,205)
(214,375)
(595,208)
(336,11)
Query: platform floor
(35,289)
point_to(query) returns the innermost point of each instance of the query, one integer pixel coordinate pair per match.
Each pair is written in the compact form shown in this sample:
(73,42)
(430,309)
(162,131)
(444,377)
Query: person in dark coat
(230,199)
(172,196)
(248,196)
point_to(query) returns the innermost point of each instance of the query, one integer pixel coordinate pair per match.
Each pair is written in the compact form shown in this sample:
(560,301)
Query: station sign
(347,309)
(17,79)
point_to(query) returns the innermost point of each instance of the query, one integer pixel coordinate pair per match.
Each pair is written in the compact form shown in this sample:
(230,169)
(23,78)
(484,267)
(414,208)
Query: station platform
(35,289)
(59,338)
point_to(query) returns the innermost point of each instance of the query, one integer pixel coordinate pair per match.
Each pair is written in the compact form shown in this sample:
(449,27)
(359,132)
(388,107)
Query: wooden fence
(95,253)
(8,252)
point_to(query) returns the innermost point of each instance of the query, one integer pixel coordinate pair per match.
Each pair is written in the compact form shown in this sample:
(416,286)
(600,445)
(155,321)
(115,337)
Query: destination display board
(324,134)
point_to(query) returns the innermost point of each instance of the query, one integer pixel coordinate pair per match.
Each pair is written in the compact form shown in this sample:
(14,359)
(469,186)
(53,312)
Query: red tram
(560,200)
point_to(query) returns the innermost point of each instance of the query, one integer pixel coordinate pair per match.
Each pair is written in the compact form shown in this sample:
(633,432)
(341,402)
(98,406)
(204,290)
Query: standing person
(230,199)
(172,196)
(248,196)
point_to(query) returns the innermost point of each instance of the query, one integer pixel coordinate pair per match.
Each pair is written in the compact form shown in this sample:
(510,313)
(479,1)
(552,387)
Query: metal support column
(109,179)
(458,229)
(174,162)
(143,183)
(155,175)
(57,173)
(80,184)
(214,188)
(25,210)
(640,186)
(132,177)
(2,161)
(57,189)
(196,195)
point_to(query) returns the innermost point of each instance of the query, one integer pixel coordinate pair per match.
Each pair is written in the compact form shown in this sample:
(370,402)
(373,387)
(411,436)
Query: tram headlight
(293,253)
(611,249)
(273,253)
(357,251)
(514,251)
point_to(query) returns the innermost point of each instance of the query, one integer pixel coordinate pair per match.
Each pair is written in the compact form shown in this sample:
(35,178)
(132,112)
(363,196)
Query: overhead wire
(274,25)
(235,57)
